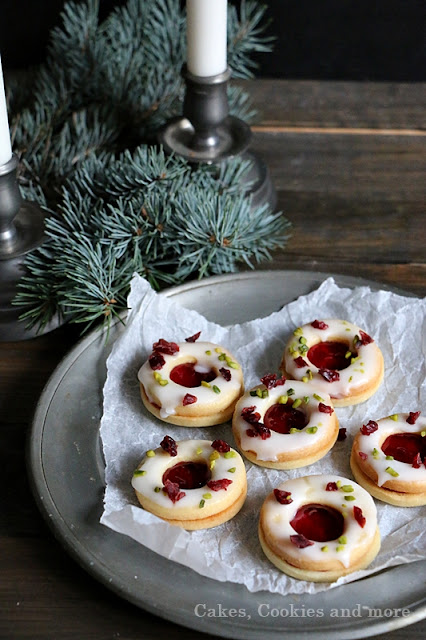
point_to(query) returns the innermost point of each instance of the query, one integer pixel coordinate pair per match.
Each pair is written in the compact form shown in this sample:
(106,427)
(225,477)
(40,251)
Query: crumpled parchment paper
(231,552)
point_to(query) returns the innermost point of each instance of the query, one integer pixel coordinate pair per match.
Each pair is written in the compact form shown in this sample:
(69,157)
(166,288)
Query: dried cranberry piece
(225,373)
(412,417)
(331,486)
(259,429)
(300,541)
(169,445)
(342,434)
(283,497)
(319,324)
(189,399)
(359,517)
(173,491)
(362,455)
(325,408)
(250,415)
(330,375)
(299,362)
(417,461)
(221,446)
(217,485)
(280,382)
(369,428)
(193,338)
(365,338)
(156,361)
(269,380)
(169,348)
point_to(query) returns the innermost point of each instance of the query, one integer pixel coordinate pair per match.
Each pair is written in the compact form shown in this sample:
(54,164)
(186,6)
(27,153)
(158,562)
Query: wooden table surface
(348,162)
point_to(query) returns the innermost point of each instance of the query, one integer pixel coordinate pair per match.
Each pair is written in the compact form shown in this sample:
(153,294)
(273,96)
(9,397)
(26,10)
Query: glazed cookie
(284,424)
(388,459)
(194,484)
(336,357)
(191,384)
(319,528)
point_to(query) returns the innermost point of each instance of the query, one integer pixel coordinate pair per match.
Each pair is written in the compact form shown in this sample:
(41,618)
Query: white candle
(5,146)
(206,36)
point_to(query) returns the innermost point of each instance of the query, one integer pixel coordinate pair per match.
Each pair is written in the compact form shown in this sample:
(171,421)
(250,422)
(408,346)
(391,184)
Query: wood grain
(348,163)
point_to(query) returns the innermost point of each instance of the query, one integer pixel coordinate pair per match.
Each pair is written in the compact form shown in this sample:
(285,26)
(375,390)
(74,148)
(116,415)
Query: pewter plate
(67,476)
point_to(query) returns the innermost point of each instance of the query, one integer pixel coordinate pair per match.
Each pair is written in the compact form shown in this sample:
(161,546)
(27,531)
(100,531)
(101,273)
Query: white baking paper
(231,551)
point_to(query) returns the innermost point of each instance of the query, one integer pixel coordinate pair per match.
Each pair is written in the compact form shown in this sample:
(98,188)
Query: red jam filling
(318,522)
(186,375)
(405,447)
(282,417)
(188,475)
(329,355)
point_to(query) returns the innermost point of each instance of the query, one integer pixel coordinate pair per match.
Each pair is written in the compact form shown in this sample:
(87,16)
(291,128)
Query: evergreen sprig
(84,130)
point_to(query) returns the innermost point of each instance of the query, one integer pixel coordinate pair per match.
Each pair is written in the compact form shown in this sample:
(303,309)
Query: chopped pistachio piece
(392,472)
(232,470)
(290,392)
(139,472)
(205,384)
(317,397)
(297,403)
(229,454)
(216,388)
(298,331)
(283,399)
(150,453)
(324,548)
(207,496)
(349,498)
(202,503)
(342,540)
(394,417)
(347,488)
(312,429)
(208,352)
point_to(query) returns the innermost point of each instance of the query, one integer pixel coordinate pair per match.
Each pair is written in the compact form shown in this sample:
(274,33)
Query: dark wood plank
(342,104)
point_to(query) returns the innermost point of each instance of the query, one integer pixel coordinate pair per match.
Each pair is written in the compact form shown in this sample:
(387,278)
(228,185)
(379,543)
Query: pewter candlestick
(206,133)
(21,230)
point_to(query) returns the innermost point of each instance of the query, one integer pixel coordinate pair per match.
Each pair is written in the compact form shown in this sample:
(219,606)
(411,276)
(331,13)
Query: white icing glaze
(311,489)
(270,448)
(387,427)
(195,451)
(206,356)
(357,374)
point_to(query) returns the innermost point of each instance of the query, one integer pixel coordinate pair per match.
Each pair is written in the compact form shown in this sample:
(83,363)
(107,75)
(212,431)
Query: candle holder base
(21,231)
(232,138)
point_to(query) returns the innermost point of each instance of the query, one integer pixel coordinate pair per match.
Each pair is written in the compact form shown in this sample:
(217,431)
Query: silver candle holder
(206,133)
(21,231)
